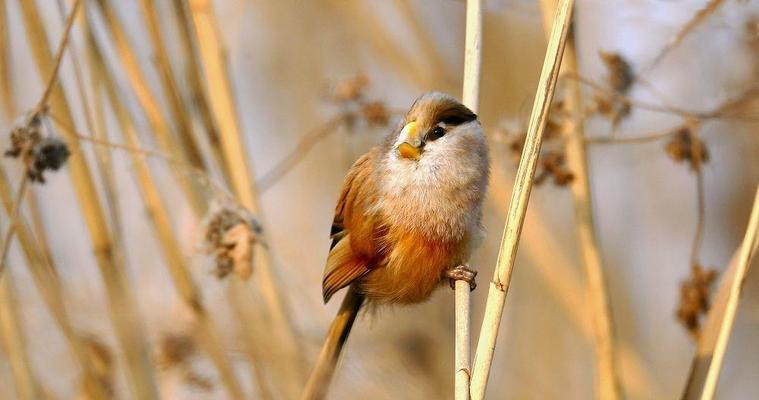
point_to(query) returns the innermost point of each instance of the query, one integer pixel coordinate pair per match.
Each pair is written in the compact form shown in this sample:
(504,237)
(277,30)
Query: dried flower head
(39,153)
(552,162)
(351,89)
(49,154)
(612,108)
(175,349)
(375,112)
(620,76)
(231,233)
(687,146)
(24,138)
(695,298)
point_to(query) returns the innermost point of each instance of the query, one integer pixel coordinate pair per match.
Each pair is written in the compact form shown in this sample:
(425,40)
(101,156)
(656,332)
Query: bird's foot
(462,273)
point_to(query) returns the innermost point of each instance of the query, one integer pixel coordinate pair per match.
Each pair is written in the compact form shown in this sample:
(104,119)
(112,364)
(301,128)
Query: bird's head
(434,172)
(436,124)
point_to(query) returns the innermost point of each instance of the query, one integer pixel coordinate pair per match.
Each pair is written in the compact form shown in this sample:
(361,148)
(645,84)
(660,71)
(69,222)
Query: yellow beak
(411,148)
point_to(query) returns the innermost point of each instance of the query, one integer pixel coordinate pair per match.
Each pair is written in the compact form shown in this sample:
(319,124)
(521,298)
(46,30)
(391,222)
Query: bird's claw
(462,273)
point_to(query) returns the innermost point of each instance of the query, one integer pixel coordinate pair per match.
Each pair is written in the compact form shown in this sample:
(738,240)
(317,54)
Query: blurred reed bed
(189,123)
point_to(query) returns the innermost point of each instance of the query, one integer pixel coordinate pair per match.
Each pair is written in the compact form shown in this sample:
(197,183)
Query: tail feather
(321,376)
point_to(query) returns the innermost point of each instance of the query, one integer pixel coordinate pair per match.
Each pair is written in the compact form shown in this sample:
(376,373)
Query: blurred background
(158,279)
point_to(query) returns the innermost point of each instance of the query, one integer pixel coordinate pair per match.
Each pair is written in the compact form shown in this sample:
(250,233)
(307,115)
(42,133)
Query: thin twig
(713,341)
(718,113)
(471,99)
(201,176)
(630,140)
(41,106)
(305,144)
(42,103)
(602,327)
(692,23)
(700,217)
(519,200)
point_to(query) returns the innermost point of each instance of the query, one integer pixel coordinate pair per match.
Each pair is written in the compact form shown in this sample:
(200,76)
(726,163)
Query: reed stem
(519,200)
(471,99)
(715,335)
(123,308)
(607,379)
(221,99)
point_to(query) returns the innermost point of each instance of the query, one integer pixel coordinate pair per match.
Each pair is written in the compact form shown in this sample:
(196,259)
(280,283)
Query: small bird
(408,217)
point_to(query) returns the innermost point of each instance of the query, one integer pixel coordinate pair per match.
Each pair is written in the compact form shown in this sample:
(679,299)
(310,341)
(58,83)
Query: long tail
(318,382)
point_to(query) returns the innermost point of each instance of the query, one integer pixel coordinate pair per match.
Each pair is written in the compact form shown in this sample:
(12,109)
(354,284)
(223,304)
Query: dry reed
(713,341)
(170,85)
(518,205)
(607,380)
(6,60)
(470,98)
(147,99)
(221,98)
(14,342)
(175,261)
(123,309)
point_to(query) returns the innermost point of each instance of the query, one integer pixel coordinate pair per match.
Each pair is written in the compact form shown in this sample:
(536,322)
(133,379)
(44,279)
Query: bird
(408,217)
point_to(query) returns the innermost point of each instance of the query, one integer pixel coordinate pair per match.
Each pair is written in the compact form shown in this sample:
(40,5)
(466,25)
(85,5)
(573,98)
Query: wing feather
(344,263)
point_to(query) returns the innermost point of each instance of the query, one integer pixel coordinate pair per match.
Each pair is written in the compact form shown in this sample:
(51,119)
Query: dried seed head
(695,298)
(553,163)
(37,152)
(687,146)
(375,113)
(620,75)
(175,349)
(231,233)
(24,138)
(350,89)
(612,108)
(49,154)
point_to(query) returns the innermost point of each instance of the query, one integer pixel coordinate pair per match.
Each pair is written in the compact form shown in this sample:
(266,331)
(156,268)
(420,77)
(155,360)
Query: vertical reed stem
(519,200)
(147,100)
(123,308)
(175,261)
(6,63)
(471,99)
(48,284)
(170,86)
(607,380)
(14,342)
(712,344)
(221,99)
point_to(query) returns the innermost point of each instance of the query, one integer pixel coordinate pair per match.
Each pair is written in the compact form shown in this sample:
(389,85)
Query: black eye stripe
(458,119)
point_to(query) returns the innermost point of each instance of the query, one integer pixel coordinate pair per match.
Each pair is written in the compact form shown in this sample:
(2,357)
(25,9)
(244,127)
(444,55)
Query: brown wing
(349,256)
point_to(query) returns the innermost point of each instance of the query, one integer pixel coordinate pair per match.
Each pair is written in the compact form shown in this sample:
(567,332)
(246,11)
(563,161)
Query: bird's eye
(437,133)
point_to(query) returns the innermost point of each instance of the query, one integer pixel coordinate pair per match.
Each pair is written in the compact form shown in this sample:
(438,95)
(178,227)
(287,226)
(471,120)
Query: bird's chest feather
(429,222)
